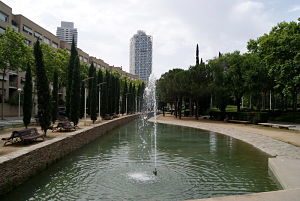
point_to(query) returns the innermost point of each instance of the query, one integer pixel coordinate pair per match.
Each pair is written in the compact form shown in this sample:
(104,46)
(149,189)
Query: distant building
(13,80)
(141,55)
(66,32)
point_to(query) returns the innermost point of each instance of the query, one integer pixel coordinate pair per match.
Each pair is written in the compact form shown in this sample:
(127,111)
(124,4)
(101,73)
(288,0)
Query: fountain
(124,165)
(151,106)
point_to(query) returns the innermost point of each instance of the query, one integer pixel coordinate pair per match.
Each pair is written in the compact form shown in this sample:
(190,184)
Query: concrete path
(283,195)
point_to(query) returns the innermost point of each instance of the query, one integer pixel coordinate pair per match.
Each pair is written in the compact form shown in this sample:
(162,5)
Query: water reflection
(192,164)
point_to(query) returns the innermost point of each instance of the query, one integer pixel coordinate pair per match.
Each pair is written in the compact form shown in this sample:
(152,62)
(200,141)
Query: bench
(238,121)
(277,125)
(24,136)
(64,126)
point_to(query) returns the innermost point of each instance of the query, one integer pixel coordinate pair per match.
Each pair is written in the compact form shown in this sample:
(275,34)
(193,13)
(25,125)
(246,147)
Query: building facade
(33,32)
(66,32)
(141,55)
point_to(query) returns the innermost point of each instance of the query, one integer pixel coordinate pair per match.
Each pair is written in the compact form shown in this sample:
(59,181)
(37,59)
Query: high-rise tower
(141,55)
(66,32)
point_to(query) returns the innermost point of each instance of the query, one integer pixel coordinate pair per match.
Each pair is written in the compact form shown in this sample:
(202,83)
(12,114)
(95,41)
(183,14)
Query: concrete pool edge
(19,166)
(284,166)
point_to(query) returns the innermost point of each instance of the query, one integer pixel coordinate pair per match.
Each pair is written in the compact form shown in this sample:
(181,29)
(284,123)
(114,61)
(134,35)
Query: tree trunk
(176,108)
(190,107)
(250,102)
(163,109)
(197,110)
(2,104)
(238,104)
(179,107)
(295,101)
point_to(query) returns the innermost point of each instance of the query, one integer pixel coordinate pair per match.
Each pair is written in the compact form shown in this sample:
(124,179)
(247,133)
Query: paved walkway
(17,124)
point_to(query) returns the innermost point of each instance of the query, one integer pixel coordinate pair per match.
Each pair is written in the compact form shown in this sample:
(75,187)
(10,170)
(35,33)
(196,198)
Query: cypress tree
(100,80)
(82,99)
(125,90)
(129,99)
(69,76)
(43,92)
(93,97)
(103,96)
(107,93)
(113,95)
(117,84)
(27,101)
(197,55)
(90,86)
(54,96)
(75,93)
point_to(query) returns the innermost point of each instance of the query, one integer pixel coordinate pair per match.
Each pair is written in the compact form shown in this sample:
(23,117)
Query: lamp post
(102,83)
(19,111)
(86,79)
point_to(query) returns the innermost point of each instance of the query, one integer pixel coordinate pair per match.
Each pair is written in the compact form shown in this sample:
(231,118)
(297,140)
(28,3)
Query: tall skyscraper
(66,32)
(141,55)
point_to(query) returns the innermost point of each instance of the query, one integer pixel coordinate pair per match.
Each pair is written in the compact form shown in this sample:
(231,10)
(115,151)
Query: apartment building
(66,32)
(141,55)
(33,32)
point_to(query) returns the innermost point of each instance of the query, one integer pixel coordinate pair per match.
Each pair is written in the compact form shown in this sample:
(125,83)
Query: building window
(3,17)
(38,35)
(85,60)
(46,40)
(27,30)
(27,42)
(2,30)
(55,45)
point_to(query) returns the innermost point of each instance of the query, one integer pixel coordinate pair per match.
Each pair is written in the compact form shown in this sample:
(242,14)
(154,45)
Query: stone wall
(17,167)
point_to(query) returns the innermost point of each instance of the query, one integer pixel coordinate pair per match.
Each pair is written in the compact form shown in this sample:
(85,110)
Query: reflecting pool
(191,164)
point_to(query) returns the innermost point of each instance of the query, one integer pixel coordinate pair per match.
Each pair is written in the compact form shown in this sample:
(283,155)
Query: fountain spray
(152,107)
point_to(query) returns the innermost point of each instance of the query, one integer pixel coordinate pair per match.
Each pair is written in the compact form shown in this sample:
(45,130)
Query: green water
(191,164)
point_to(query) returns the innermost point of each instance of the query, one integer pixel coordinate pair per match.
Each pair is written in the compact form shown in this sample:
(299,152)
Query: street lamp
(86,79)
(102,83)
(19,92)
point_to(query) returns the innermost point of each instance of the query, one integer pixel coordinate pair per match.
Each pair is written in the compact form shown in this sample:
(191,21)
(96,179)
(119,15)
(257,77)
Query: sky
(106,26)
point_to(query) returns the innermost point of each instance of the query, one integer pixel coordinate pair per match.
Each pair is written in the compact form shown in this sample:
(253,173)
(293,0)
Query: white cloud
(105,27)
(294,9)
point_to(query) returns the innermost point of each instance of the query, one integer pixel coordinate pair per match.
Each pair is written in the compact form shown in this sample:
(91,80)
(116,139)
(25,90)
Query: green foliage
(54,97)
(125,91)
(279,50)
(44,106)
(69,76)
(75,93)
(14,54)
(93,95)
(27,98)
(91,74)
(101,87)
(220,88)
(82,91)
(55,59)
